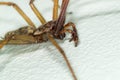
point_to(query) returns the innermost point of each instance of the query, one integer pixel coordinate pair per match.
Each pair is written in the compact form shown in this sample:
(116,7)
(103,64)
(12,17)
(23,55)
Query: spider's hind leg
(2,43)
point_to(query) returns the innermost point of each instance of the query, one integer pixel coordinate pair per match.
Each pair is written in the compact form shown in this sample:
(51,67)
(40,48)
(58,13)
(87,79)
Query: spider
(54,29)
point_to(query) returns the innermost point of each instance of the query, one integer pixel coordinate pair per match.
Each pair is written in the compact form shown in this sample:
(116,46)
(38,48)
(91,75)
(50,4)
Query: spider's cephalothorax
(49,28)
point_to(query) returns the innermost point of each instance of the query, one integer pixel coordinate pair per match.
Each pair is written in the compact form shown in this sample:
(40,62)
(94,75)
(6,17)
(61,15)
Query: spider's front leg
(73,32)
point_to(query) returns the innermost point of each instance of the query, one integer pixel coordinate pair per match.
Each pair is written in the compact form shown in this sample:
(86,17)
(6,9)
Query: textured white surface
(97,57)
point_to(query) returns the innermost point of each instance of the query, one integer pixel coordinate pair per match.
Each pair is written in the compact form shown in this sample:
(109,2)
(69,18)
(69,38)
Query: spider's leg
(55,9)
(61,19)
(37,13)
(2,43)
(63,54)
(73,32)
(26,18)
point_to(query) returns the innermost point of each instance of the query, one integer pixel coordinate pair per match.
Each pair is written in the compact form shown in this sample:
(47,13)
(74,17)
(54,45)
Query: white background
(97,57)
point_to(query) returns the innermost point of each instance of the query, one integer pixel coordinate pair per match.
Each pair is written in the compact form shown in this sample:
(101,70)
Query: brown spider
(54,29)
